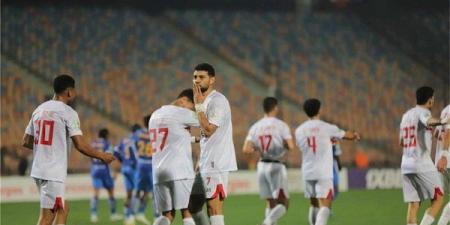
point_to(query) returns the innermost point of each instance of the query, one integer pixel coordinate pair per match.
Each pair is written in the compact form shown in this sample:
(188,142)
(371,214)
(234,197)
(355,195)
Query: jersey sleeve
(217,113)
(250,134)
(190,118)
(335,131)
(117,152)
(73,124)
(286,132)
(424,117)
(30,128)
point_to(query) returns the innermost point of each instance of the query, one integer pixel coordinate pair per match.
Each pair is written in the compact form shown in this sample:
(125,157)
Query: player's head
(270,104)
(64,86)
(186,99)
(425,96)
(311,107)
(103,133)
(205,76)
(146,119)
(135,127)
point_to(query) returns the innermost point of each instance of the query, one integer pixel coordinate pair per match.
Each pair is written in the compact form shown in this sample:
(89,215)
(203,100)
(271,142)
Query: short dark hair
(62,82)
(423,94)
(188,93)
(146,119)
(135,127)
(206,67)
(103,133)
(269,104)
(311,107)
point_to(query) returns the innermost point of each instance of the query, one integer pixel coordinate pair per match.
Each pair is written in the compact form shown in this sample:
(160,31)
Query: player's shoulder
(446,111)
(218,96)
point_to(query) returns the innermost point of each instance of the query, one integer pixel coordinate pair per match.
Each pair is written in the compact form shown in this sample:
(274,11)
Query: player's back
(218,152)
(415,139)
(313,137)
(171,141)
(269,135)
(125,152)
(52,124)
(143,149)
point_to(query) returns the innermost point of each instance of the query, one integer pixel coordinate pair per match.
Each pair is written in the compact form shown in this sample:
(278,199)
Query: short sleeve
(250,134)
(190,118)
(424,117)
(30,128)
(286,132)
(334,131)
(73,124)
(216,112)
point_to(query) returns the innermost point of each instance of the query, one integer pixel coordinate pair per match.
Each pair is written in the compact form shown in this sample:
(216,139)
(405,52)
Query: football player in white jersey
(271,137)
(173,171)
(442,148)
(49,133)
(420,176)
(313,137)
(217,155)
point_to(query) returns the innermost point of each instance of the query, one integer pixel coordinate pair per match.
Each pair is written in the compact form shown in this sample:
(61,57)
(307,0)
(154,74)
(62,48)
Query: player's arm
(82,146)
(442,163)
(289,144)
(248,147)
(428,120)
(207,127)
(351,135)
(27,141)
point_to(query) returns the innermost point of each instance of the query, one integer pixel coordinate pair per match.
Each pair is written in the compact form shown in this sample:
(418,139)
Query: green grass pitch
(357,207)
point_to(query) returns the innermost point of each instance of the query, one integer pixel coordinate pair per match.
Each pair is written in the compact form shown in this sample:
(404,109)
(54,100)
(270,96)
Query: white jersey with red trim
(440,133)
(171,142)
(415,139)
(217,151)
(268,135)
(52,124)
(313,137)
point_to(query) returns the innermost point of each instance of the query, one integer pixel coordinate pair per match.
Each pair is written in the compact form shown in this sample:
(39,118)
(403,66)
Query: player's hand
(442,164)
(357,136)
(108,158)
(199,98)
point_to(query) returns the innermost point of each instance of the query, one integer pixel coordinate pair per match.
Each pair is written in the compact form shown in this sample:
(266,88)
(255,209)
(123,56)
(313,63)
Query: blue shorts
(102,179)
(128,173)
(144,179)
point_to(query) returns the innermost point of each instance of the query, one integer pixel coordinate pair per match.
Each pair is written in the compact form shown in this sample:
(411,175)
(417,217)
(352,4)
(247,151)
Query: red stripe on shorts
(58,204)
(219,191)
(437,191)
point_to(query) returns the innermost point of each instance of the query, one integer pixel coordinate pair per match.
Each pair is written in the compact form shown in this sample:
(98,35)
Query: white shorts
(322,188)
(214,185)
(51,194)
(418,187)
(272,179)
(173,194)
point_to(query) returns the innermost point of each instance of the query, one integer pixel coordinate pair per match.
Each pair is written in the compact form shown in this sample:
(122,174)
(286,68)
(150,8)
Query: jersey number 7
(153,136)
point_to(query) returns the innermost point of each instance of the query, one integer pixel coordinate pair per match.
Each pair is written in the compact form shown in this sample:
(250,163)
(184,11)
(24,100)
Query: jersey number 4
(44,133)
(265,141)
(153,136)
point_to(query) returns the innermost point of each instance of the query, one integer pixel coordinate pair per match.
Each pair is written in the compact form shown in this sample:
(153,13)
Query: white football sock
(427,219)
(322,216)
(200,218)
(188,221)
(312,215)
(445,216)
(162,220)
(411,224)
(276,213)
(217,220)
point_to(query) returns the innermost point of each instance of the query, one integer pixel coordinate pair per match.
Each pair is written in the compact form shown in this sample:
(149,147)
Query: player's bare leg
(94,203)
(313,210)
(112,205)
(432,212)
(196,203)
(215,210)
(61,215)
(46,217)
(411,214)
(142,206)
(187,217)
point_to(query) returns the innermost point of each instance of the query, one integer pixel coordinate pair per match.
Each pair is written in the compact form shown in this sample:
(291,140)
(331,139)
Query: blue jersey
(143,149)
(124,152)
(104,146)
